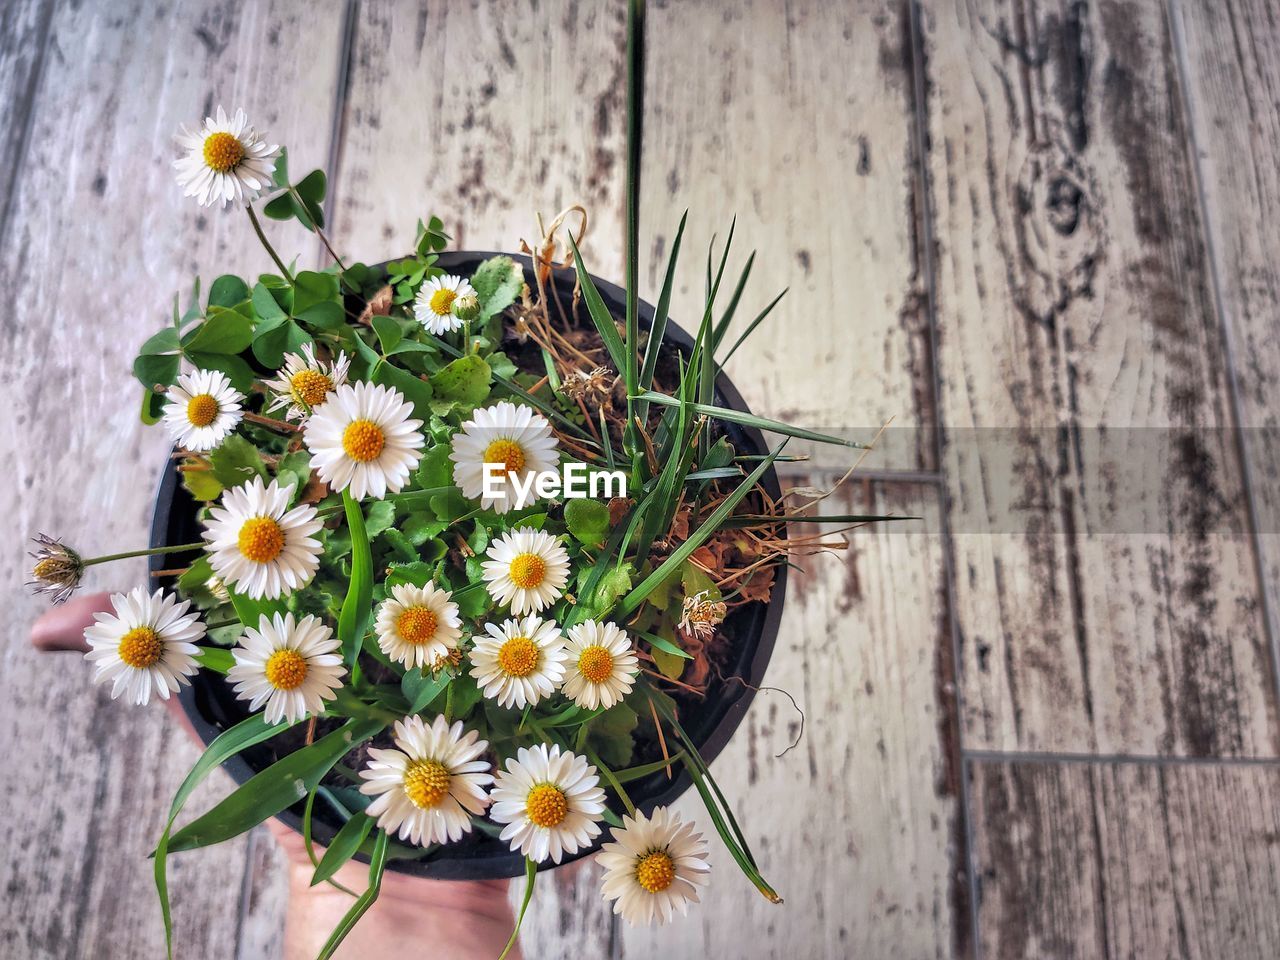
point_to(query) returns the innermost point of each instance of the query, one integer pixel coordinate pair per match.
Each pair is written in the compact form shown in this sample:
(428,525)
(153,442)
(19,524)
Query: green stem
(150,551)
(257,228)
(613,781)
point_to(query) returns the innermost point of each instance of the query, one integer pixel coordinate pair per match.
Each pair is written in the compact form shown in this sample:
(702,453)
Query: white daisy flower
(418,625)
(509,434)
(602,664)
(364,438)
(520,662)
(526,568)
(433,306)
(653,867)
(149,643)
(224,160)
(428,786)
(258,545)
(304,382)
(291,666)
(551,803)
(203,409)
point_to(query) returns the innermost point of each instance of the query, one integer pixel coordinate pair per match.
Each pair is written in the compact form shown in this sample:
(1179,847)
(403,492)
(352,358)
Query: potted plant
(479,558)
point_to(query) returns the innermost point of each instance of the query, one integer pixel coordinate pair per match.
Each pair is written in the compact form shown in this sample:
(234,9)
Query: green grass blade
(357,608)
(752,326)
(530,875)
(658,330)
(600,314)
(727,317)
(682,553)
(750,420)
(343,847)
(377,865)
(274,789)
(251,730)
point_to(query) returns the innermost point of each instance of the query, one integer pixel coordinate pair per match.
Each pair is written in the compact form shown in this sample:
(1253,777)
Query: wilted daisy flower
(364,439)
(149,643)
(551,803)
(699,615)
(602,664)
(304,382)
(433,306)
(57,569)
(527,568)
(224,160)
(653,866)
(509,434)
(260,546)
(418,625)
(520,662)
(291,666)
(203,409)
(426,787)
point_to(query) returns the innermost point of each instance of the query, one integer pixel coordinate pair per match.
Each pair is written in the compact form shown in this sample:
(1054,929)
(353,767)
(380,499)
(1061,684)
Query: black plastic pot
(212,707)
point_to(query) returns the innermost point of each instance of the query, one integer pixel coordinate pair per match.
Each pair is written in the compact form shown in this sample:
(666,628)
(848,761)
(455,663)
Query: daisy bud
(467,307)
(57,569)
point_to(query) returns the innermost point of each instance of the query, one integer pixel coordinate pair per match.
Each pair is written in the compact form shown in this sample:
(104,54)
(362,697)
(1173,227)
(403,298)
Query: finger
(63,626)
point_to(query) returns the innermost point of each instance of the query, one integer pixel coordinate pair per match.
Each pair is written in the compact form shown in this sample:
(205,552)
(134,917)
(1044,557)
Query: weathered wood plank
(1232,56)
(858,827)
(486,114)
(797,119)
(98,240)
(24,31)
(1127,860)
(1115,608)
(483,114)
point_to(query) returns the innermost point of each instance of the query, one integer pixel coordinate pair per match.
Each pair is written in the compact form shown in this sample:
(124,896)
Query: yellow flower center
(518,657)
(417,625)
(426,783)
(52,568)
(286,669)
(222,152)
(202,410)
(508,453)
(261,539)
(310,387)
(655,872)
(141,647)
(528,570)
(546,805)
(363,440)
(442,301)
(595,663)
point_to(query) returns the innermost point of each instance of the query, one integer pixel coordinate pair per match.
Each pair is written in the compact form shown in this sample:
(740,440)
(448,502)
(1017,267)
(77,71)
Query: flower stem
(315,227)
(257,228)
(150,551)
(270,422)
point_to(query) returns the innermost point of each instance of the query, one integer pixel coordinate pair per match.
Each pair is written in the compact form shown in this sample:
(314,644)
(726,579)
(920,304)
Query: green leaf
(530,875)
(237,461)
(381,515)
(246,733)
(311,288)
(217,659)
(279,208)
(497,283)
(227,291)
(353,620)
(750,420)
(274,789)
(156,369)
(416,573)
(223,331)
(166,341)
(600,315)
(665,645)
(421,689)
(238,372)
(343,848)
(465,380)
(276,337)
(152,407)
(265,304)
(251,611)
(377,864)
(202,484)
(587,520)
(388,331)
(610,735)
(295,468)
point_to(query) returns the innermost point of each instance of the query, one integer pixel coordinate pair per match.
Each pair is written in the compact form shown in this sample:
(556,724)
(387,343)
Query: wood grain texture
(483,114)
(858,826)
(98,240)
(797,120)
(1112,603)
(1127,860)
(24,30)
(1231,52)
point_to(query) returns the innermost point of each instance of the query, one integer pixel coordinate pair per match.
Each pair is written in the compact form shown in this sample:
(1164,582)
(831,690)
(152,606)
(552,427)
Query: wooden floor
(1043,237)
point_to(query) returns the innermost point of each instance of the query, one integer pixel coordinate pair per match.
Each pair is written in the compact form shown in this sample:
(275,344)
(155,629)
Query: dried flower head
(592,386)
(57,569)
(700,615)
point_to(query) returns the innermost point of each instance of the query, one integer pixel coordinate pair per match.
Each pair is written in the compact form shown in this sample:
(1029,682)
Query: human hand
(448,919)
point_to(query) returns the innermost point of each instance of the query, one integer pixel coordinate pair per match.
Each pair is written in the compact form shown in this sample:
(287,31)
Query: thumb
(62,627)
